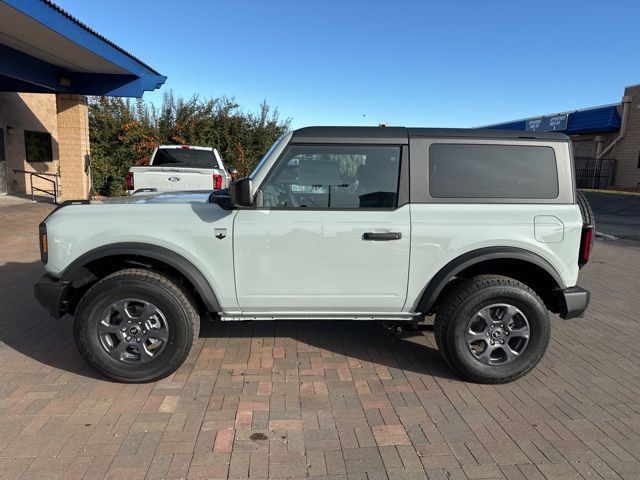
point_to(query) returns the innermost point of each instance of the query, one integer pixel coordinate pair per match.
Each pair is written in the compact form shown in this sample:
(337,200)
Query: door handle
(384,236)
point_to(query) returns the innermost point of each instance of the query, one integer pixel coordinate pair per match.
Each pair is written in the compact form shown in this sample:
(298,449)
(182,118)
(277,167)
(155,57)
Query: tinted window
(334,177)
(37,146)
(492,171)
(185,157)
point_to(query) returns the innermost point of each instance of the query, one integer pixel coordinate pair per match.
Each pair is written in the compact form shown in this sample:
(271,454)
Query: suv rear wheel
(492,329)
(136,325)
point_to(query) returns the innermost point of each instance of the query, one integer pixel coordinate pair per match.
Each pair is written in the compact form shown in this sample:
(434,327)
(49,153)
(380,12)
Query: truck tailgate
(173,178)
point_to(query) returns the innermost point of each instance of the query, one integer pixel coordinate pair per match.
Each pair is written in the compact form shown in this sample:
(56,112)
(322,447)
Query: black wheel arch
(115,256)
(539,275)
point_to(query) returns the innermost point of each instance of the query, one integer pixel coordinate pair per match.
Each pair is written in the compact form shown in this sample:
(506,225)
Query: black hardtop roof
(401,135)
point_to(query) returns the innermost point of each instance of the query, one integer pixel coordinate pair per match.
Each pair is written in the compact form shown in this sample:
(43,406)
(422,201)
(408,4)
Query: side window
(349,176)
(492,171)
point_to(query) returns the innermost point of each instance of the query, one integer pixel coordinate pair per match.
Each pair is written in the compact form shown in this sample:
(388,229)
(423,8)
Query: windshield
(185,157)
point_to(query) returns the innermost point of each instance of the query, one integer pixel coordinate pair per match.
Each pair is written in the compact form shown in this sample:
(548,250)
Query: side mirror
(232,170)
(240,192)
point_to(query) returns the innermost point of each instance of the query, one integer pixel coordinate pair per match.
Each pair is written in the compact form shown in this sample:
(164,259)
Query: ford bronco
(483,228)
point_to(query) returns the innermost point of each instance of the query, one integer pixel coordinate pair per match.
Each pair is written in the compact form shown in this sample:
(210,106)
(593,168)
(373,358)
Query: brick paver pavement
(339,400)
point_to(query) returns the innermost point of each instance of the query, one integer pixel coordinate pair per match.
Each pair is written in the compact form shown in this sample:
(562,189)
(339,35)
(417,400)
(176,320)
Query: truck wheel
(136,325)
(492,329)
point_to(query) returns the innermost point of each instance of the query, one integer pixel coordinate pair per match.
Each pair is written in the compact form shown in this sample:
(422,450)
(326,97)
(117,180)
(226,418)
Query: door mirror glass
(241,192)
(232,170)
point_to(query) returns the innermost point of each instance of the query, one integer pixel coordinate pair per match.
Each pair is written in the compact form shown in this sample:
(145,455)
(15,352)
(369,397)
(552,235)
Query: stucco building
(49,63)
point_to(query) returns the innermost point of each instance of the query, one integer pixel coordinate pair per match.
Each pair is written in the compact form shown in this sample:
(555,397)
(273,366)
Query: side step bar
(368,316)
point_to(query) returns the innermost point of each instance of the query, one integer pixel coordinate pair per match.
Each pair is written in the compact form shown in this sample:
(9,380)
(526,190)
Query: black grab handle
(385,236)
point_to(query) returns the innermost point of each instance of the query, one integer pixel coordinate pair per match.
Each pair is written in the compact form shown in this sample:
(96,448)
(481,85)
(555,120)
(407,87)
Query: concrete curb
(605,236)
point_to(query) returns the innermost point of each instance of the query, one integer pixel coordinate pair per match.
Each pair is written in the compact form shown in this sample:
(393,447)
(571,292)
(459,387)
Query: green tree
(124,133)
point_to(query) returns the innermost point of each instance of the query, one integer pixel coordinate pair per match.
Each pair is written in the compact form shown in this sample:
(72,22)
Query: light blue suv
(482,228)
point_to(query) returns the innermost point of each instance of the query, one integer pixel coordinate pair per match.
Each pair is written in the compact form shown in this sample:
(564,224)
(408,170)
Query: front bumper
(51,293)
(575,301)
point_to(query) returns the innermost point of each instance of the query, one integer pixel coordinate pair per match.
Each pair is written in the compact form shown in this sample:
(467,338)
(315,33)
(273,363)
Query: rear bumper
(575,302)
(51,293)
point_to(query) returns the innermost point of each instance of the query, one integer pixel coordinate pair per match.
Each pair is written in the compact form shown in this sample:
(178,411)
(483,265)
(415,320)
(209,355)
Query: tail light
(129,180)
(217,181)
(44,243)
(586,244)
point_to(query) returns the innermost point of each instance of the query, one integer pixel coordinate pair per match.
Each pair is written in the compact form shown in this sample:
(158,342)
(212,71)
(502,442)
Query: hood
(166,197)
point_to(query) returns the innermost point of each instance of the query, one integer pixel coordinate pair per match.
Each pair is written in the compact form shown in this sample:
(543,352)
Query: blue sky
(412,63)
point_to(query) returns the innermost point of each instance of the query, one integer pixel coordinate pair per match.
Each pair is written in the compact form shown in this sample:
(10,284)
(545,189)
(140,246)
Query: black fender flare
(435,286)
(154,252)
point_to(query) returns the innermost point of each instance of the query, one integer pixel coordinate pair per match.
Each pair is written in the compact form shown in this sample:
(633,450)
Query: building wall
(73,132)
(627,151)
(583,145)
(20,112)
(66,118)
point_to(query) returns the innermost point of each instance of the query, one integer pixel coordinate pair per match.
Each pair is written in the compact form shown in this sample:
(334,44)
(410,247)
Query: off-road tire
(585,209)
(469,297)
(181,316)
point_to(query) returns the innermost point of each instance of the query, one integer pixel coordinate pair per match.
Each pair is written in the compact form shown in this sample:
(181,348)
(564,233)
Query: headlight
(44,244)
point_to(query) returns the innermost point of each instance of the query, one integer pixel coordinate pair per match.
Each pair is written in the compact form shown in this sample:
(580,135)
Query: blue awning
(43,49)
(592,120)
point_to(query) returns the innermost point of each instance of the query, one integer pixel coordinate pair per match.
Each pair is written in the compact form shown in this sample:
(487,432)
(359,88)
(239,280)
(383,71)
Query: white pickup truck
(180,168)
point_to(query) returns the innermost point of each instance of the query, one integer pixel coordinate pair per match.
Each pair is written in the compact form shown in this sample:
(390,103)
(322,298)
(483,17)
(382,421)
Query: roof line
(568,112)
(401,135)
(85,27)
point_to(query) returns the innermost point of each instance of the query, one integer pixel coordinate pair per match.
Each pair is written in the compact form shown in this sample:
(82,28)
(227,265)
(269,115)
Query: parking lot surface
(617,215)
(319,399)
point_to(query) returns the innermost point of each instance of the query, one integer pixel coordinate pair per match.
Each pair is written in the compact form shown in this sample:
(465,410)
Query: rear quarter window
(492,171)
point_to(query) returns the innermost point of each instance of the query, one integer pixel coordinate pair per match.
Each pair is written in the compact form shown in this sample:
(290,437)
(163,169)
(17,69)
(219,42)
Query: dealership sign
(547,124)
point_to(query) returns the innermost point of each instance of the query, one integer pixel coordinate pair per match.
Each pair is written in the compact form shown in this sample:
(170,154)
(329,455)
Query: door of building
(3,166)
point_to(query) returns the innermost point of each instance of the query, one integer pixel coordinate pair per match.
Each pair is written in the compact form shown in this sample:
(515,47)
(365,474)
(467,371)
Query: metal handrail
(42,175)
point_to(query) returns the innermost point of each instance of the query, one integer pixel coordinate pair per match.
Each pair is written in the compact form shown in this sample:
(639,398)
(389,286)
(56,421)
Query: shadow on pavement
(27,328)
(362,340)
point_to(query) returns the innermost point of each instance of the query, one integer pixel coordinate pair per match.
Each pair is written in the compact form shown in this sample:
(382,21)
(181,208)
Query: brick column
(628,150)
(73,139)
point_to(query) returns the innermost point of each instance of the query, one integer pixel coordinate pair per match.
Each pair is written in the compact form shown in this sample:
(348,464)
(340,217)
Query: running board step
(387,317)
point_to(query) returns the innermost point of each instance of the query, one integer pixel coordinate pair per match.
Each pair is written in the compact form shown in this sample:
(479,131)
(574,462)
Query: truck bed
(173,178)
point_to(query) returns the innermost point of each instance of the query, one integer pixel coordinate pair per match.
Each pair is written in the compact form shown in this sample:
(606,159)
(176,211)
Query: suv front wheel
(492,329)
(136,325)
